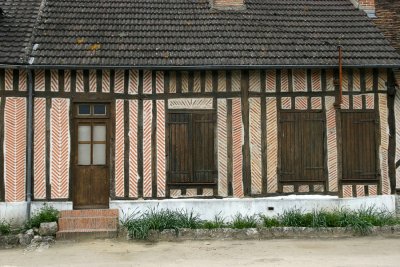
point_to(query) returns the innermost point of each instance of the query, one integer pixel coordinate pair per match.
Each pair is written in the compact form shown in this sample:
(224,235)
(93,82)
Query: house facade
(199,99)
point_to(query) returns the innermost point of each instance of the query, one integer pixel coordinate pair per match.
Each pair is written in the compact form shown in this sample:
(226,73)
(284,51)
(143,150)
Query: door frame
(111,147)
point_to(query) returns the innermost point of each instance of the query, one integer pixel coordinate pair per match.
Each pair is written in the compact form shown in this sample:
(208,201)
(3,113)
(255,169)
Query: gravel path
(369,251)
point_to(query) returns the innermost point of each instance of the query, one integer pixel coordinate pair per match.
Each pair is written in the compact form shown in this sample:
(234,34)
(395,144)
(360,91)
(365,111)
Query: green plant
(5,227)
(218,222)
(139,225)
(296,218)
(46,213)
(270,221)
(240,221)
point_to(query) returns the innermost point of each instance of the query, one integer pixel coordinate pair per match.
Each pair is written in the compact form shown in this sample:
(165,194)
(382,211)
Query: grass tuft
(139,225)
(240,221)
(218,222)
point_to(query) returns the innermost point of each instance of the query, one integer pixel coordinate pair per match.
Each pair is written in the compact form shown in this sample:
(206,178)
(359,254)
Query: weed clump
(46,213)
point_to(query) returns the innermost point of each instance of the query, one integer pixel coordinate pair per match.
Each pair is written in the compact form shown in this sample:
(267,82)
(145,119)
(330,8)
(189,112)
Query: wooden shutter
(180,148)
(312,152)
(301,147)
(191,148)
(358,146)
(203,148)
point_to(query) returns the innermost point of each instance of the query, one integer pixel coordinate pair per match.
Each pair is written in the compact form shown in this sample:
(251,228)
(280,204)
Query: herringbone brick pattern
(329,80)
(255,145)
(357,102)
(197,82)
(161,163)
(22,84)
(147,82)
(370,102)
(39,149)
(39,80)
(67,81)
(133,166)
(383,113)
(369,80)
(92,81)
(160,82)
(254,81)
(54,80)
(270,80)
(286,102)
(172,82)
(119,148)
(272,145)
(237,147)
(119,82)
(284,81)
(301,103)
(8,79)
(105,86)
(147,122)
(236,77)
(299,80)
(185,81)
(15,148)
(209,81)
(316,103)
(79,81)
(332,145)
(133,82)
(59,148)
(221,81)
(345,102)
(316,80)
(222,148)
(356,80)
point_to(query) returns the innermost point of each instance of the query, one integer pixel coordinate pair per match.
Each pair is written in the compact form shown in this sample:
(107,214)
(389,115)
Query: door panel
(91,164)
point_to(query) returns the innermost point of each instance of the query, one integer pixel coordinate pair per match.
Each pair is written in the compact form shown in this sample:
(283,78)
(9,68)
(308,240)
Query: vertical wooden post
(246,127)
(391,94)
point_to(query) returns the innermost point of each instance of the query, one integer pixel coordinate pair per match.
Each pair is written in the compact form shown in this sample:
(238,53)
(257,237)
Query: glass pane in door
(99,133)
(99,154)
(84,154)
(84,133)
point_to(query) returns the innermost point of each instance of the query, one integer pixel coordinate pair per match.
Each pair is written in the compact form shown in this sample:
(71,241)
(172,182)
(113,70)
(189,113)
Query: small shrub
(270,222)
(240,221)
(218,222)
(5,227)
(46,213)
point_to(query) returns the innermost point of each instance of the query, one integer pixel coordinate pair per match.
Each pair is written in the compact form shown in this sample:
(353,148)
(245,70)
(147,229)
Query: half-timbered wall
(247,107)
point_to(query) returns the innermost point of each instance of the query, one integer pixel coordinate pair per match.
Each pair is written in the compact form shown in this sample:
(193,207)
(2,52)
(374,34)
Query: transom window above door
(92,110)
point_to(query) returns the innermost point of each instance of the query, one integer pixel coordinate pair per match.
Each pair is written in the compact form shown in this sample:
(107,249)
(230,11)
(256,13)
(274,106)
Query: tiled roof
(16,28)
(189,33)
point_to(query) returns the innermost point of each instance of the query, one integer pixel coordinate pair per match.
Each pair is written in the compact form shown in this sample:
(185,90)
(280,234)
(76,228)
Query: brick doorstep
(81,224)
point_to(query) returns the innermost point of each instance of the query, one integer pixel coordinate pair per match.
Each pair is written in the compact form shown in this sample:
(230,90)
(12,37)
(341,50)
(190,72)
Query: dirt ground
(336,252)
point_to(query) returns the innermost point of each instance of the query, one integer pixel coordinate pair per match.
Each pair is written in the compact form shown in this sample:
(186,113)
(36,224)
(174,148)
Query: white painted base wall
(227,207)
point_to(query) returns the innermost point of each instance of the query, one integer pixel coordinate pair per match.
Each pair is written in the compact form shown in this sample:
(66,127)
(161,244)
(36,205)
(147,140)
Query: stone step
(82,223)
(86,234)
(90,213)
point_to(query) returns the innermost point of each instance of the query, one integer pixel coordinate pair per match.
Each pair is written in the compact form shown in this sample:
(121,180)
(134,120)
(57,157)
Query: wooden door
(91,163)
(359,146)
(302,150)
